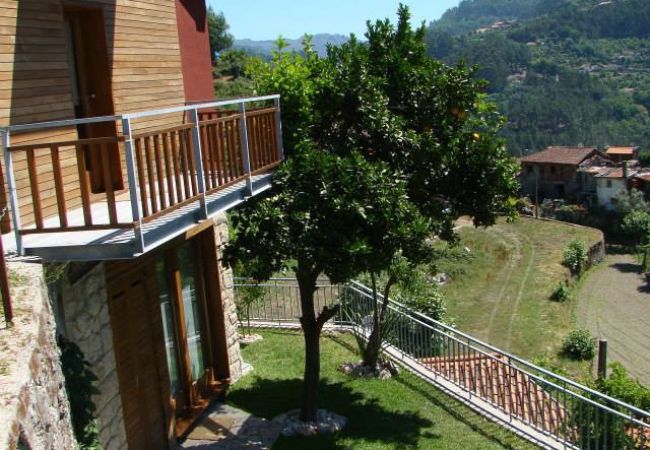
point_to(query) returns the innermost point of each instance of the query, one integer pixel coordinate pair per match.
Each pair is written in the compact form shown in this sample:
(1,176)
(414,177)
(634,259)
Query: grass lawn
(501,292)
(404,412)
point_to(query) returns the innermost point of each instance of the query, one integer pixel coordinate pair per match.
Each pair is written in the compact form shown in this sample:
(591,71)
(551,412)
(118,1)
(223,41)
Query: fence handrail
(454,334)
(509,355)
(134,115)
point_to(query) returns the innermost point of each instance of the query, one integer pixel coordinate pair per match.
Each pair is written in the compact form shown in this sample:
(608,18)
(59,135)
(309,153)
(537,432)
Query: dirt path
(615,304)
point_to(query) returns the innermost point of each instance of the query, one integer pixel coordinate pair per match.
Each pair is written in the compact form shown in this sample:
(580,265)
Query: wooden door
(92,93)
(136,338)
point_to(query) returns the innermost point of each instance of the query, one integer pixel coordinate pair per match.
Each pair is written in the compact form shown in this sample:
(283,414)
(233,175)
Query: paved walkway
(228,428)
(614,303)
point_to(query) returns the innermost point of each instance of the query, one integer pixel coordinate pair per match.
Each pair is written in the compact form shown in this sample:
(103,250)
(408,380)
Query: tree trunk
(311,327)
(311,333)
(373,347)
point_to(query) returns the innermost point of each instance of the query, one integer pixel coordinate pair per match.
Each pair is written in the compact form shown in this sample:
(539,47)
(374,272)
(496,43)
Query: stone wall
(228,301)
(87,324)
(34,407)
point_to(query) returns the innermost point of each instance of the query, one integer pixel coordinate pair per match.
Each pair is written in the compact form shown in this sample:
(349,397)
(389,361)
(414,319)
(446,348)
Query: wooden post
(4,283)
(602,358)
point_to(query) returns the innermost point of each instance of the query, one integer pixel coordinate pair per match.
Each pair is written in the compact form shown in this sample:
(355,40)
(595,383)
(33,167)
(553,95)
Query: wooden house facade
(117,160)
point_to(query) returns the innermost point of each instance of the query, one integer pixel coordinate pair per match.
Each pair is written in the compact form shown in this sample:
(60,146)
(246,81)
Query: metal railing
(529,398)
(164,168)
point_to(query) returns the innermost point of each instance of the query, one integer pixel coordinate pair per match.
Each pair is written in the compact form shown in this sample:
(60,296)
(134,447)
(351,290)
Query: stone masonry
(228,301)
(34,407)
(87,324)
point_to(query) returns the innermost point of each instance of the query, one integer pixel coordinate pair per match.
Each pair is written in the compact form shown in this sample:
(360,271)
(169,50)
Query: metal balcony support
(11,188)
(198,158)
(278,127)
(132,177)
(243,136)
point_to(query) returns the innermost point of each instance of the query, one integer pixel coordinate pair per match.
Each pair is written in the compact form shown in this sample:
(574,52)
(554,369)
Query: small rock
(250,339)
(326,423)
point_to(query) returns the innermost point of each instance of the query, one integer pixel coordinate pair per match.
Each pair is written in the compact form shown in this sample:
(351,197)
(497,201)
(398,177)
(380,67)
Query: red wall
(192,22)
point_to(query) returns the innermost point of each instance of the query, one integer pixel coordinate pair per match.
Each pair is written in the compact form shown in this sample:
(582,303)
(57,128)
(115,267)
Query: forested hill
(564,72)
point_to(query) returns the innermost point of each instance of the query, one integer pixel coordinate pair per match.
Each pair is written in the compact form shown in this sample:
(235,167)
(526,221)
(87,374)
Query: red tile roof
(621,150)
(560,155)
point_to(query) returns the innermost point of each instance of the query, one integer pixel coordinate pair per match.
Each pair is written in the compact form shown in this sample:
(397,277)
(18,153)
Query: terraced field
(501,291)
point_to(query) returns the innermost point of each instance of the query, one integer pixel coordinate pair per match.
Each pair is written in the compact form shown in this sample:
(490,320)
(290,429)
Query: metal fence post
(243,137)
(602,358)
(11,188)
(278,128)
(198,158)
(132,178)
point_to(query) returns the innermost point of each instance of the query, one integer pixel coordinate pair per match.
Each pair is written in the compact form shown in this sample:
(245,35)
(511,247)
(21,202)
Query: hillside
(265,48)
(564,72)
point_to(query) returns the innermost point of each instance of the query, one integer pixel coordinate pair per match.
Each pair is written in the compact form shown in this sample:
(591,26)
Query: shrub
(575,256)
(621,386)
(562,292)
(579,345)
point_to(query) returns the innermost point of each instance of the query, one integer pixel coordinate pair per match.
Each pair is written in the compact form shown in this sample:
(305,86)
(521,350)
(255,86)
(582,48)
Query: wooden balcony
(119,196)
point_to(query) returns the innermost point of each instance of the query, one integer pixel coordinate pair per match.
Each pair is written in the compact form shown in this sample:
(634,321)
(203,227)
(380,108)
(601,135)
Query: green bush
(562,292)
(623,387)
(579,345)
(575,256)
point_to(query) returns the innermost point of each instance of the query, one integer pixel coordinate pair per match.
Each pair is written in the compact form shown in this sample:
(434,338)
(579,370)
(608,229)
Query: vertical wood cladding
(35,76)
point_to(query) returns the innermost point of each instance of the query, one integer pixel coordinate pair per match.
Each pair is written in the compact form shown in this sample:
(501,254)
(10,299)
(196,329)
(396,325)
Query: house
(554,172)
(610,182)
(620,154)
(118,162)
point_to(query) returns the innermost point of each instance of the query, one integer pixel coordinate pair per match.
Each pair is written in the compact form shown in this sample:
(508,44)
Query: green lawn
(501,291)
(401,413)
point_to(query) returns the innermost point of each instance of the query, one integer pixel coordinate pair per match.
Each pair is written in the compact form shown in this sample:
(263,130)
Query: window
(553,170)
(609,183)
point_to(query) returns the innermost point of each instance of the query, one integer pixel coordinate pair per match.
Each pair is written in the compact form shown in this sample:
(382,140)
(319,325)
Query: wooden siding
(35,83)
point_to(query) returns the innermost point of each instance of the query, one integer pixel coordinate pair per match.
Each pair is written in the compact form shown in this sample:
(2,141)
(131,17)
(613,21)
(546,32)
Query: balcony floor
(112,244)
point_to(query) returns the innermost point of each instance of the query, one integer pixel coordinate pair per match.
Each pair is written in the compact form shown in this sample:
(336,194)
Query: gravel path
(614,304)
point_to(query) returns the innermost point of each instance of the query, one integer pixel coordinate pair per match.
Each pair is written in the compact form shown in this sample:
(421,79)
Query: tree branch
(327,313)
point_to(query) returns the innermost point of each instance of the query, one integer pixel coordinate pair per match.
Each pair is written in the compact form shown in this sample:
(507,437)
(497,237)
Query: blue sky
(267,19)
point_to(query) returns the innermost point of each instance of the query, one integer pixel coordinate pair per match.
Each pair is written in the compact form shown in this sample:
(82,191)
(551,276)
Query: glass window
(191,309)
(168,323)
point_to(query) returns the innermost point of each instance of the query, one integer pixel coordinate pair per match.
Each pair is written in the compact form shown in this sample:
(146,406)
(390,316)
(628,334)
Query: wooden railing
(118,182)
(57,179)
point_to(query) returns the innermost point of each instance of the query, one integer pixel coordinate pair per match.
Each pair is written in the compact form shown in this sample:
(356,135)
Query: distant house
(553,173)
(611,181)
(620,154)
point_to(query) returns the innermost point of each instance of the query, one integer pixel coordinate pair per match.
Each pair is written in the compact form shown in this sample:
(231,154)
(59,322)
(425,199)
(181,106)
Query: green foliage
(575,256)
(579,345)
(627,202)
(231,63)
(387,99)
(562,292)
(79,381)
(636,224)
(644,155)
(220,39)
(623,387)
(334,215)
(563,72)
(293,76)
(241,87)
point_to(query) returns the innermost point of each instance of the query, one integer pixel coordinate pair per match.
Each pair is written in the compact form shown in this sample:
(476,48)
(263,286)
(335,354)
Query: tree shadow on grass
(367,419)
(462,413)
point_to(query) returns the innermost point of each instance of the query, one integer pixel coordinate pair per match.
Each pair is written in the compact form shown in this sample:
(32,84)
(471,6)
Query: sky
(267,19)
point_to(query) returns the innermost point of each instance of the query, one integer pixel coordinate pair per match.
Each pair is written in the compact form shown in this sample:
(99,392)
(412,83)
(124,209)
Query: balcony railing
(142,173)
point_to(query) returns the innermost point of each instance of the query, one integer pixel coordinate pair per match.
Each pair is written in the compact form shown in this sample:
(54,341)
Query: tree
(315,222)
(636,224)
(389,100)
(220,39)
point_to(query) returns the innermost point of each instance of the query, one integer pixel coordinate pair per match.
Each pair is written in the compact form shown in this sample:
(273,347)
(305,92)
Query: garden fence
(547,408)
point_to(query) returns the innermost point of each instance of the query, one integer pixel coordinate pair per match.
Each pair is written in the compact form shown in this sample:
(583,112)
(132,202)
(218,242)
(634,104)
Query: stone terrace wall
(228,301)
(34,406)
(87,324)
